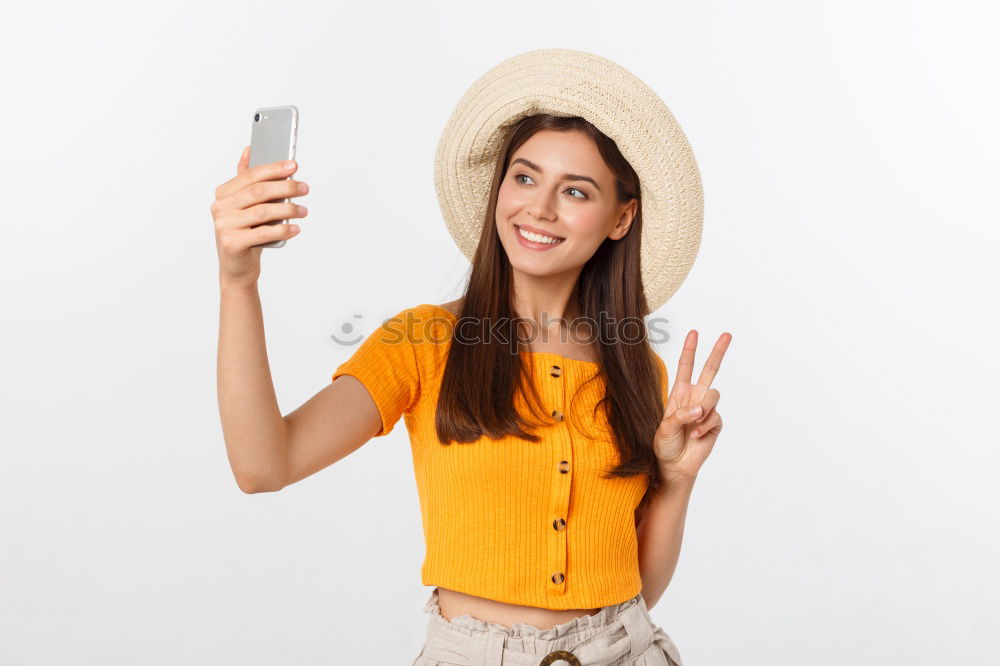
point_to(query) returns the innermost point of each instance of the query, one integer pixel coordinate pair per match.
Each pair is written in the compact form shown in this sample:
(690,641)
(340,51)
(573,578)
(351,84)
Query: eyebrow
(566,176)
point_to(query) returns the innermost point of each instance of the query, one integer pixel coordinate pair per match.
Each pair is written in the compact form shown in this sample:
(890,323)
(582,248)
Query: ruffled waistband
(584,624)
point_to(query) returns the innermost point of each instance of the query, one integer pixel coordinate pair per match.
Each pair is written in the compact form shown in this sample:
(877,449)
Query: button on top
(557,415)
(555,371)
(564,467)
(559,524)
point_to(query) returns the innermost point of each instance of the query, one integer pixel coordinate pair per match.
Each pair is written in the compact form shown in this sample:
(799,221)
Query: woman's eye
(522,175)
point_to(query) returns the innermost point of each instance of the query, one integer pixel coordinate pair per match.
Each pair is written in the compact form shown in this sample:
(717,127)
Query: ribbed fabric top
(527,523)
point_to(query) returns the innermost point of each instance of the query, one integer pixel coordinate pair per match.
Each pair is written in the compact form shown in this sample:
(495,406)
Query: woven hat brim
(566,82)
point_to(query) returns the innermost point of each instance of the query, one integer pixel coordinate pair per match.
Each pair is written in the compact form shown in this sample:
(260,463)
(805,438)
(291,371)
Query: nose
(541,208)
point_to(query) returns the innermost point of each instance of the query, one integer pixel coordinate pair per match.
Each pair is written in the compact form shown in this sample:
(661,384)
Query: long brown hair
(480,380)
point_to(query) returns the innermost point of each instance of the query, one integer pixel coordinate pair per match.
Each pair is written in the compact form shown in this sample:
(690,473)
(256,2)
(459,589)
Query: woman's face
(558,186)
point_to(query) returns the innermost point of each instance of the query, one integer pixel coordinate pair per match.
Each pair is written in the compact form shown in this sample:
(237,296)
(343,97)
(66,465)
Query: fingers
(244,162)
(262,213)
(681,417)
(686,363)
(267,191)
(271,232)
(261,172)
(260,202)
(236,242)
(712,423)
(708,404)
(714,360)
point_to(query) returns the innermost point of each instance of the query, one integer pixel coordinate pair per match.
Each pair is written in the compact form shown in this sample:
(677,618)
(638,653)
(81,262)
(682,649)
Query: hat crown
(568,82)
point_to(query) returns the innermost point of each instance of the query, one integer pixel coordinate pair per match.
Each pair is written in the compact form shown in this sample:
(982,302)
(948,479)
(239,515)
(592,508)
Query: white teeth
(538,238)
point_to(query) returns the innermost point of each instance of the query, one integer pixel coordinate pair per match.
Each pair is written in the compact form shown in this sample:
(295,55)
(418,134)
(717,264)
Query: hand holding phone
(272,139)
(252,210)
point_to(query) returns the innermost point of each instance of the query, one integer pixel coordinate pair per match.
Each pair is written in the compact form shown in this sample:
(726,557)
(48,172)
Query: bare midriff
(453,604)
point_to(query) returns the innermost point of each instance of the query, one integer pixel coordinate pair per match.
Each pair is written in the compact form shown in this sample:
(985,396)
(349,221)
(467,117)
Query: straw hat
(567,82)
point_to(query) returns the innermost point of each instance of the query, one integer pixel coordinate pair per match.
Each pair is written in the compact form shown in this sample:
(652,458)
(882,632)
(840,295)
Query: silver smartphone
(272,139)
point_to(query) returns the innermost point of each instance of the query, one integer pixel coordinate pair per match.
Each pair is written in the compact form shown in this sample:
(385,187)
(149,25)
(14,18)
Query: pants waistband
(630,632)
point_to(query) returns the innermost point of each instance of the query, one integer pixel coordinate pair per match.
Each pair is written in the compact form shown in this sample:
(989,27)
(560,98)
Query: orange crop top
(527,523)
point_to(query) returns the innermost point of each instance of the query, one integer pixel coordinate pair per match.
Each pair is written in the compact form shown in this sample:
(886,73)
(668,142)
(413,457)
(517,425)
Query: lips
(540,232)
(536,246)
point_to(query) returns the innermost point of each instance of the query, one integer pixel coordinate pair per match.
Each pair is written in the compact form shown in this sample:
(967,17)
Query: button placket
(562,452)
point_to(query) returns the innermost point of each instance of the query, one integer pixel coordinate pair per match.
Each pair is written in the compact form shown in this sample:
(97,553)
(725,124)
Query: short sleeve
(387,366)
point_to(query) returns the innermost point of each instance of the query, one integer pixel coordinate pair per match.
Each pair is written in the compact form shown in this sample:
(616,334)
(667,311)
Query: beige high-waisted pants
(616,635)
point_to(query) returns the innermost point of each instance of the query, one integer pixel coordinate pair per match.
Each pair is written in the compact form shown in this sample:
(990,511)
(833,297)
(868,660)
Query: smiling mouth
(536,237)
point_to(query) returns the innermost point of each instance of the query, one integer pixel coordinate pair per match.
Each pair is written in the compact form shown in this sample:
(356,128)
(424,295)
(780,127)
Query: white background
(849,157)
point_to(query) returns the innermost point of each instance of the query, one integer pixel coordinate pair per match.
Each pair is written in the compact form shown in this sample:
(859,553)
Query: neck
(549,302)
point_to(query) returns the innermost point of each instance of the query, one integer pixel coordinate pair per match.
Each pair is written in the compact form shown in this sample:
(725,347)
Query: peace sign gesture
(690,422)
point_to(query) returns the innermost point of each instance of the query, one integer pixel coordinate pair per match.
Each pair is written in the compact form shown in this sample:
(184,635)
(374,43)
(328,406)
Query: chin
(534,267)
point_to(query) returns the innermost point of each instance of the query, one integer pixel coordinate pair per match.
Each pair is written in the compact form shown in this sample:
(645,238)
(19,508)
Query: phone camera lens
(256,117)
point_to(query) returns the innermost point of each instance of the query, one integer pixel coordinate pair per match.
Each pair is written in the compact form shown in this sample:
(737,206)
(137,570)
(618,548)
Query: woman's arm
(660,531)
(689,429)
(252,425)
(266,451)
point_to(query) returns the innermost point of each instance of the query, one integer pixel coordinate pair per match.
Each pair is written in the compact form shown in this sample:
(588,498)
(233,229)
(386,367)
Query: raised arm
(267,451)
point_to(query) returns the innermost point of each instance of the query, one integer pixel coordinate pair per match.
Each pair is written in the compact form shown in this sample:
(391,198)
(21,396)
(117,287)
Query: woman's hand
(691,423)
(241,204)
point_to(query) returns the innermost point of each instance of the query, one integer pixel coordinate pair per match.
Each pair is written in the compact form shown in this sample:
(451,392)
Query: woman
(553,475)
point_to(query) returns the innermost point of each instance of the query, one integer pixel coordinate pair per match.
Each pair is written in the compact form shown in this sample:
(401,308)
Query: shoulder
(424,329)
(427,311)
(453,308)
(419,315)
(430,322)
